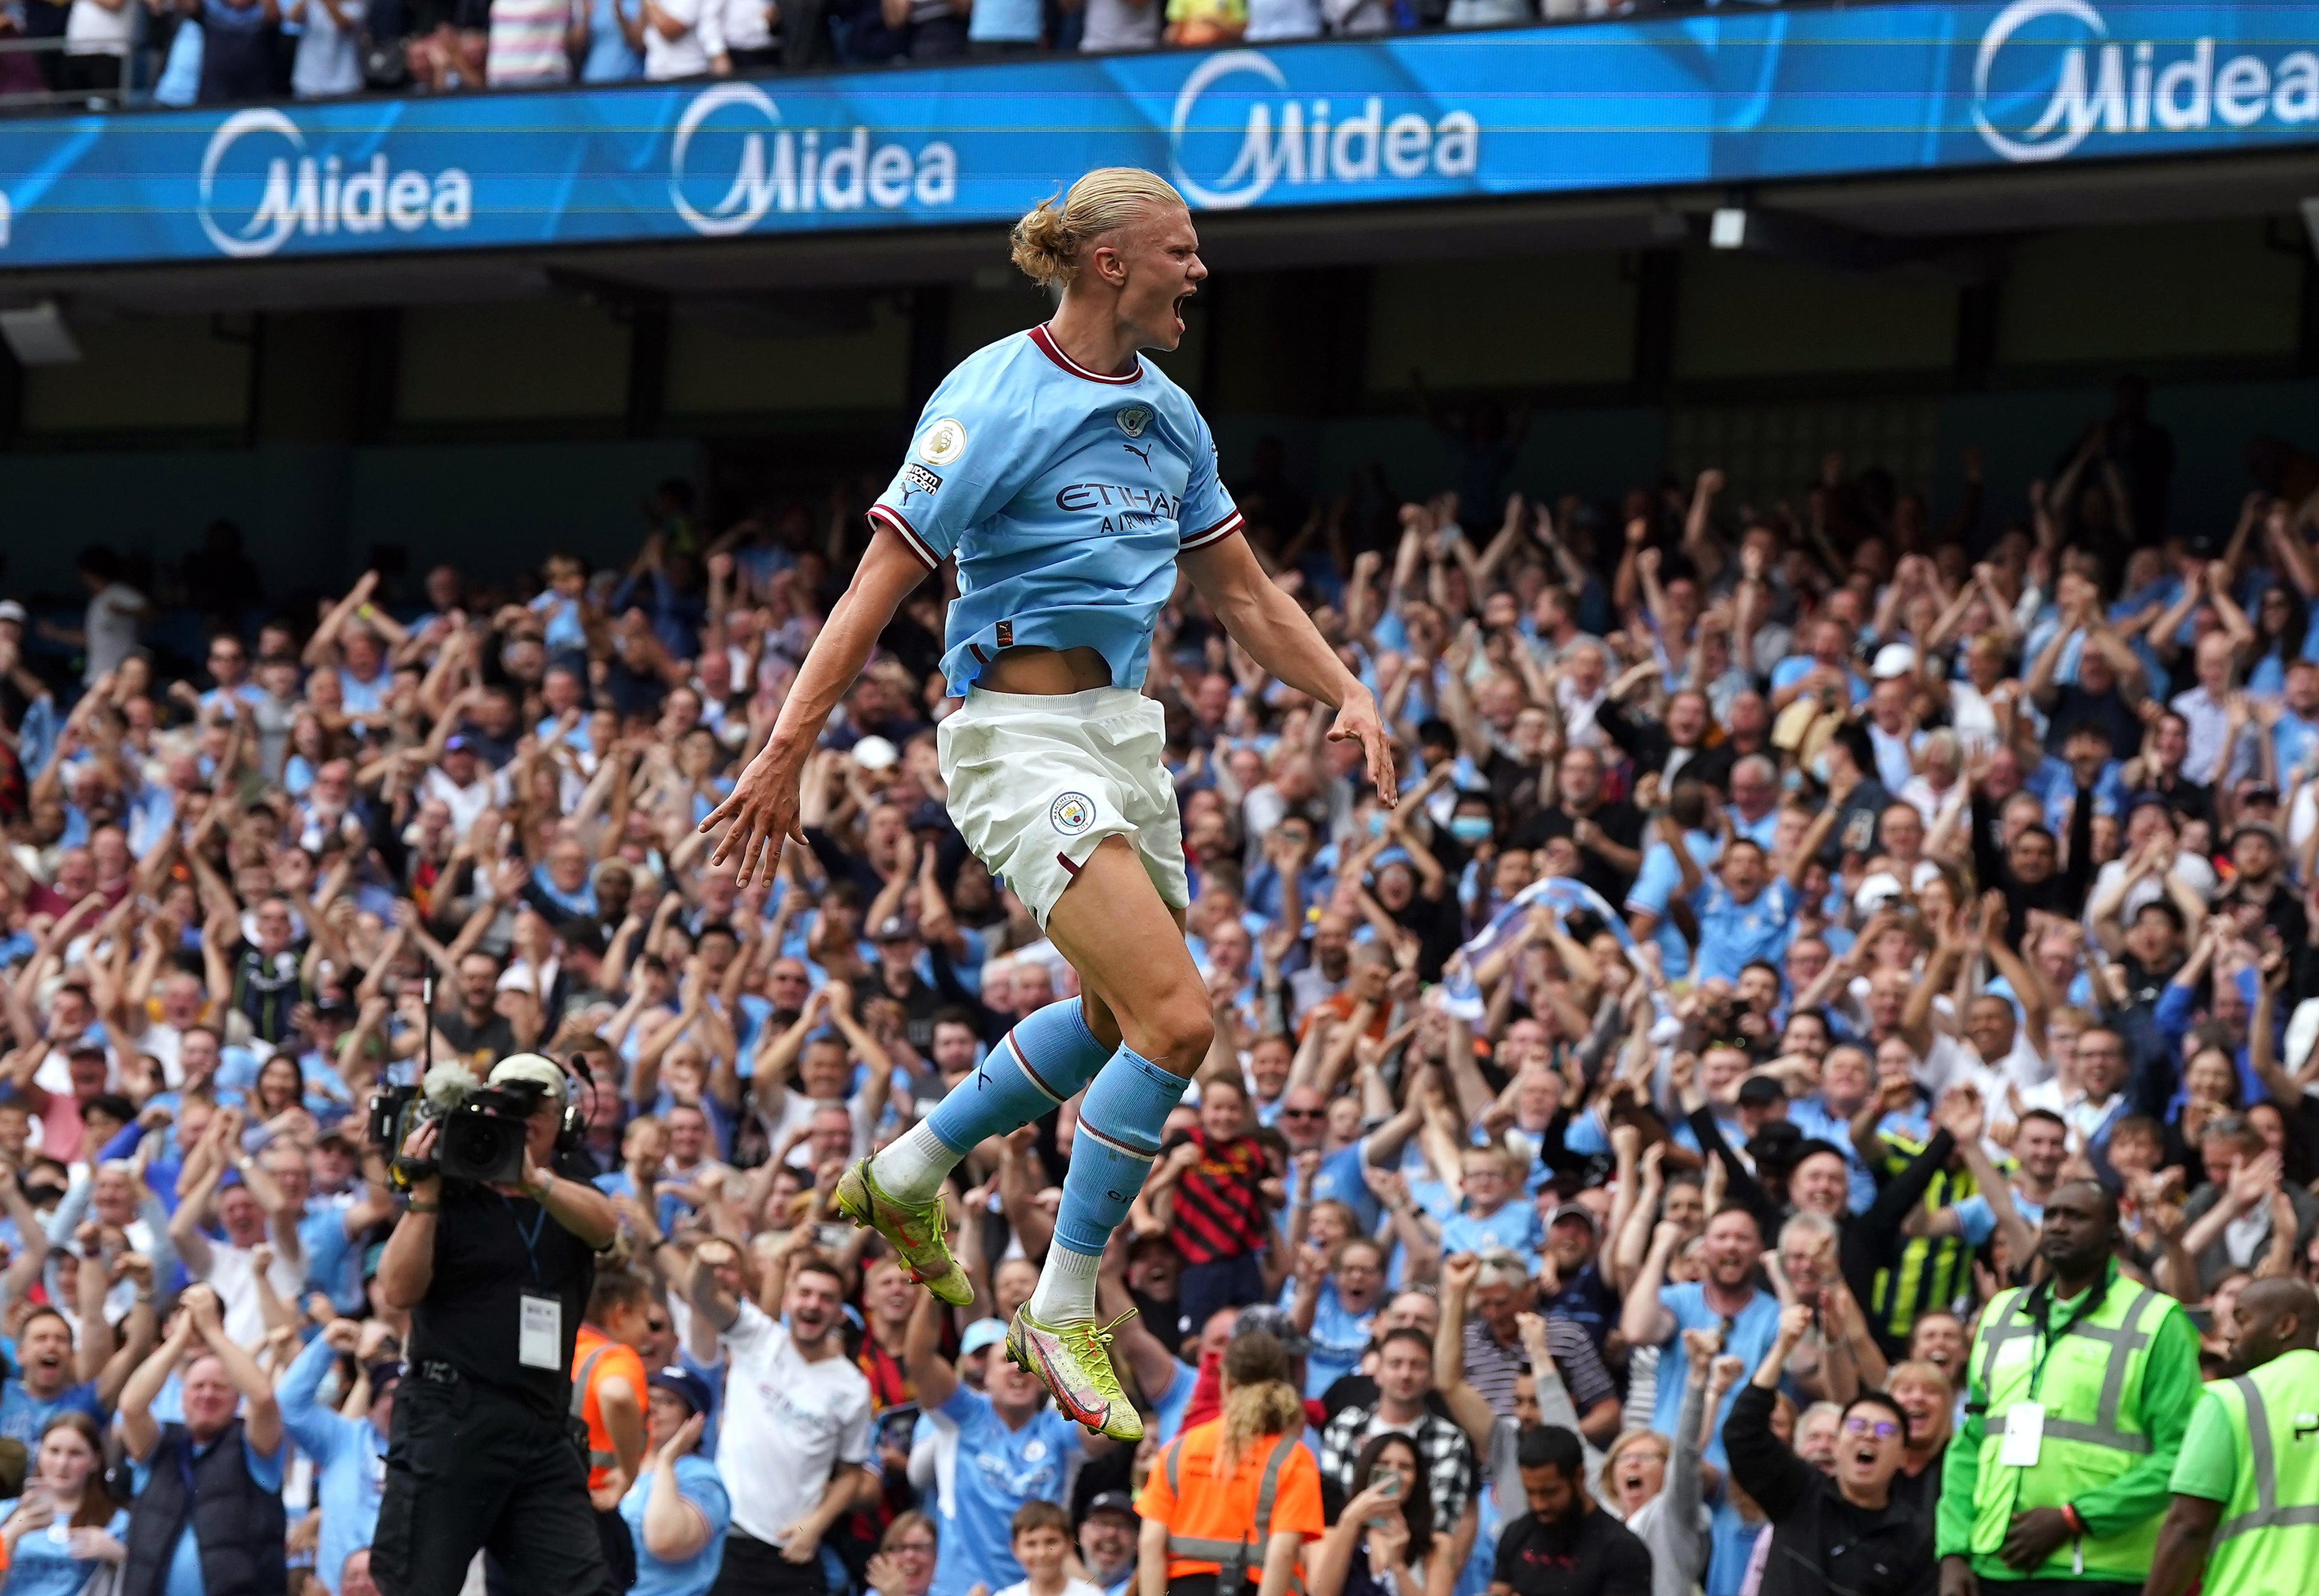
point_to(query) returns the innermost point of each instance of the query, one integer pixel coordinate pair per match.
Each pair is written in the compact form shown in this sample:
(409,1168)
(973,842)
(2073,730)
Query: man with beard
(2078,1391)
(795,1432)
(2247,1484)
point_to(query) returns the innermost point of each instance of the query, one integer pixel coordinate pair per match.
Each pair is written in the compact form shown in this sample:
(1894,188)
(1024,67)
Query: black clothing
(472,1465)
(2074,706)
(753,1568)
(1823,1545)
(1592,1555)
(1647,743)
(485,1044)
(1357,1389)
(1619,823)
(1922,1490)
(238,1527)
(490,1250)
(1439,925)
(620,1546)
(2062,893)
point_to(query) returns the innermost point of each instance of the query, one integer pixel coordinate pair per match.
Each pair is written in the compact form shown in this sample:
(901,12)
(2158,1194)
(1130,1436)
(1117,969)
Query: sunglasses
(1883,1429)
(1304,1114)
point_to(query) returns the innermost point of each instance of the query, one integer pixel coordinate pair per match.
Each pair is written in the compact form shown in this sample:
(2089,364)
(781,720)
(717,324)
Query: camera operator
(496,1279)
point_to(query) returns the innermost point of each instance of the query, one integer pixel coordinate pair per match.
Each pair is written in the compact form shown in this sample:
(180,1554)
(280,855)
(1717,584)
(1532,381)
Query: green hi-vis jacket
(2253,1447)
(2117,1384)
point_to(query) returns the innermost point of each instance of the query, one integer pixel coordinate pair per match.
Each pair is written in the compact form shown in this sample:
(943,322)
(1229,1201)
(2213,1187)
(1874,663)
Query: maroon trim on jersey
(887,516)
(1215,533)
(1054,352)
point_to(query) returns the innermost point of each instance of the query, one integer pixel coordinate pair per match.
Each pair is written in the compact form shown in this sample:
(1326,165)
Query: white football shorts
(1036,780)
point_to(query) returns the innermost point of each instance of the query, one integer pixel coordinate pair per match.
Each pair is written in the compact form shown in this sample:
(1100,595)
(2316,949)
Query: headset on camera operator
(496,1277)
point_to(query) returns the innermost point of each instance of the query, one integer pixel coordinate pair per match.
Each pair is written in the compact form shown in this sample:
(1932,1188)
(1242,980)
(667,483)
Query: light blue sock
(1047,1058)
(1120,1126)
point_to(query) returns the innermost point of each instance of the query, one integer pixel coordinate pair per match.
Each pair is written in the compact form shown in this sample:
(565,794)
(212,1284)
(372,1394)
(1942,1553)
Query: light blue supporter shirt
(349,1461)
(1340,1179)
(42,1564)
(1754,1329)
(1515,1226)
(1066,496)
(984,1471)
(699,1484)
(1734,935)
(1657,883)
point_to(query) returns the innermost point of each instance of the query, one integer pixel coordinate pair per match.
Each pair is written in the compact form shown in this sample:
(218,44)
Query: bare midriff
(1046,671)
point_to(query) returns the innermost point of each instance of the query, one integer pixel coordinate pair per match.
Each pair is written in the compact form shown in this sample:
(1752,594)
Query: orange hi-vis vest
(1223,1527)
(595,1355)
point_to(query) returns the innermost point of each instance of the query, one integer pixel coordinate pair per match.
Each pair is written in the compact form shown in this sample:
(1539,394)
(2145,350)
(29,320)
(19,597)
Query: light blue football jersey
(1065,494)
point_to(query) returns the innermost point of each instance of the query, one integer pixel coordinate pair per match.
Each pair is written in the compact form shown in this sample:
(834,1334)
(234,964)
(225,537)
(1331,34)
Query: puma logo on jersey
(1142,455)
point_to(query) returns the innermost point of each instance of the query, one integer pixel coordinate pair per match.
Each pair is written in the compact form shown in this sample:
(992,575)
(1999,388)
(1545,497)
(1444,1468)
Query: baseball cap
(1111,1501)
(683,1382)
(875,754)
(895,928)
(85,1045)
(981,1333)
(1577,1210)
(10,610)
(529,1070)
(1881,887)
(458,743)
(1760,1091)
(1273,1321)
(1894,659)
(1774,1146)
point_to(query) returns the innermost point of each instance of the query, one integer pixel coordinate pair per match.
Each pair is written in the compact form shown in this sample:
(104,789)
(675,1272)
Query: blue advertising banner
(1730,96)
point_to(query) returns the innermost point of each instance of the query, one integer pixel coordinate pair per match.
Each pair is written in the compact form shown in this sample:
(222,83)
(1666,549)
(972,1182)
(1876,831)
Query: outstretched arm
(763,804)
(1281,637)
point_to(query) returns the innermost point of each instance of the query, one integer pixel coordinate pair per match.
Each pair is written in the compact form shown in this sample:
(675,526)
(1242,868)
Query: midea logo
(2085,84)
(301,195)
(799,171)
(1297,142)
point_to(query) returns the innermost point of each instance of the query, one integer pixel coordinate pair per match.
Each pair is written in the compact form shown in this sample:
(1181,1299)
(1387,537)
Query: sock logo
(1071,813)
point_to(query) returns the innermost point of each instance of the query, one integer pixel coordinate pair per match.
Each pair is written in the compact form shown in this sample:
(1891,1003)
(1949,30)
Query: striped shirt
(1220,1208)
(1492,1368)
(528,42)
(1935,1273)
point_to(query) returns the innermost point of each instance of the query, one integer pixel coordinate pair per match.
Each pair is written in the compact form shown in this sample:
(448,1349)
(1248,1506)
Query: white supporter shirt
(745,27)
(235,1280)
(787,1423)
(467,803)
(797,1118)
(685,55)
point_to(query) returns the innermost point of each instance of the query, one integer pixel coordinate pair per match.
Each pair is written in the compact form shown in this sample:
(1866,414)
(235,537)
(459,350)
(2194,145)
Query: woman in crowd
(1383,1543)
(678,1511)
(65,1529)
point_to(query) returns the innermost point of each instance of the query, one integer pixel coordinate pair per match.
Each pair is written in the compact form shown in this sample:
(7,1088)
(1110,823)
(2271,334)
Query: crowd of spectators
(185,52)
(1785,899)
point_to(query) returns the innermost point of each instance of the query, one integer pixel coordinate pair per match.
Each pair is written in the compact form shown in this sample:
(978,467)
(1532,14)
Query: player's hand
(763,808)
(1357,721)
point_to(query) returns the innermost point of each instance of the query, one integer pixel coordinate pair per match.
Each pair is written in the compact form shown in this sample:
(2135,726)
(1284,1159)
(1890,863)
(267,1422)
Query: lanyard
(531,1241)
(2042,1297)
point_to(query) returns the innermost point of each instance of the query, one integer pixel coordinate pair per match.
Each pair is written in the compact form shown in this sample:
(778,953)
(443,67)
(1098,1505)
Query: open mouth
(1865,1456)
(1181,301)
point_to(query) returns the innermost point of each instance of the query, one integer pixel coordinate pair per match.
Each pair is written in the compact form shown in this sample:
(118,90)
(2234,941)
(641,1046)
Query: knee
(1182,1031)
